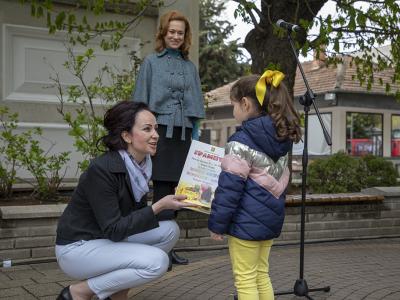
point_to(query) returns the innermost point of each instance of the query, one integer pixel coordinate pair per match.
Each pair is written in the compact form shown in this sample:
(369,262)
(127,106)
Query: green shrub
(341,173)
(12,147)
(22,150)
(379,172)
(336,174)
(86,119)
(45,168)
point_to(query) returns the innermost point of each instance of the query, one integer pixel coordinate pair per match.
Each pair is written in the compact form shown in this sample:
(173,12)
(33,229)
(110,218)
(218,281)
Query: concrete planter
(27,233)
(373,213)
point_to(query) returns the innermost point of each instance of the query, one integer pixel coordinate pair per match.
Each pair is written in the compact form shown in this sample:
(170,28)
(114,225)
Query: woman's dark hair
(120,117)
(277,103)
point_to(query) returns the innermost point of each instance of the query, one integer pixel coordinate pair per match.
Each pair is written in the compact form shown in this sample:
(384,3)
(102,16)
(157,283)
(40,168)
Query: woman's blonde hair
(163,29)
(277,103)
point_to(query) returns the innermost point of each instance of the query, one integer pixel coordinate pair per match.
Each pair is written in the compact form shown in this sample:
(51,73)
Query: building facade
(30,56)
(359,121)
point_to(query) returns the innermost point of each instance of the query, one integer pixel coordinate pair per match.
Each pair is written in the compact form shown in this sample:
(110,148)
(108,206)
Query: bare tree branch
(372,30)
(252,16)
(95,33)
(309,8)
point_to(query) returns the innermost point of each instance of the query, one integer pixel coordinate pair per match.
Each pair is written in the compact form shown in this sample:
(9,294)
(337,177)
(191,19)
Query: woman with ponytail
(249,204)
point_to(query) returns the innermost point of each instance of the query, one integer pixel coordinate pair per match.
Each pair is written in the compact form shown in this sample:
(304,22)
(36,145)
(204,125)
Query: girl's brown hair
(277,103)
(163,29)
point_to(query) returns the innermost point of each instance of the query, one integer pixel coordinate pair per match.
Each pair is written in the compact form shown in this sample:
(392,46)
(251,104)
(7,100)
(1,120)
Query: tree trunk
(267,48)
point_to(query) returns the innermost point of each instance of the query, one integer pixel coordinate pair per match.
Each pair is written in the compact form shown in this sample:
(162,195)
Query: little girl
(249,204)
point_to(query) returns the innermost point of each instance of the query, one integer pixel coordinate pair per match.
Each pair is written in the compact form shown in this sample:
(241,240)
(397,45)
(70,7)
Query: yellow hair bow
(269,77)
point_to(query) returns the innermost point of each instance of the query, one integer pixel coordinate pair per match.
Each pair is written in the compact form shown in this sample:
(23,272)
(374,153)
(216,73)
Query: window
(395,136)
(316,140)
(364,134)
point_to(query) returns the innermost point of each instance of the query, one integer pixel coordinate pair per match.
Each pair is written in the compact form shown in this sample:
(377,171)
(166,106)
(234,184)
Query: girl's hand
(170,202)
(216,236)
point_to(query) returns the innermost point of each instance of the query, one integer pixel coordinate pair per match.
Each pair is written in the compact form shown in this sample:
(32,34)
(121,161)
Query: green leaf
(60,20)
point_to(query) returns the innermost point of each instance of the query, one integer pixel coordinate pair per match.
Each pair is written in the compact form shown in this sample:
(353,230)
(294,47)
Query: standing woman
(168,82)
(107,237)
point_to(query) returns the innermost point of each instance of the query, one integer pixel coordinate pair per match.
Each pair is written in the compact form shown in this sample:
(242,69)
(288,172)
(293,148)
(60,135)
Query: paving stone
(23,274)
(3,277)
(20,297)
(14,283)
(43,289)
(11,292)
(15,293)
(46,266)
(365,269)
(48,279)
(15,268)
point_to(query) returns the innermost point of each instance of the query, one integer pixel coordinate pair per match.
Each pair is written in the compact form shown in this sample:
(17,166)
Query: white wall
(27,53)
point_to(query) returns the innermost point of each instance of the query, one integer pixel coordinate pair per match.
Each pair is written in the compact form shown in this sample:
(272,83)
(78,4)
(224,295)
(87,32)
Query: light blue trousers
(110,267)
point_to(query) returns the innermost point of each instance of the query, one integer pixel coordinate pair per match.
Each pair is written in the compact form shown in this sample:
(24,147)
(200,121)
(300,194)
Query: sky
(242,28)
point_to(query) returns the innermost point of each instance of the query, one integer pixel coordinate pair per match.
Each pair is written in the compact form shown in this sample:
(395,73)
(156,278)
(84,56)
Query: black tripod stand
(300,287)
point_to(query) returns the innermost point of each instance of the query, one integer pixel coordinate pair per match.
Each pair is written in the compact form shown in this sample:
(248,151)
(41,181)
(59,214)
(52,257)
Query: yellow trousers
(251,269)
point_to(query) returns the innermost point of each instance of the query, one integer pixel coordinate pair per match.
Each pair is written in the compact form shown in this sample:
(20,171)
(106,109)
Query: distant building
(360,121)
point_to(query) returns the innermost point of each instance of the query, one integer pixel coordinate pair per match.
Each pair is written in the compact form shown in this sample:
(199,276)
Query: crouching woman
(108,238)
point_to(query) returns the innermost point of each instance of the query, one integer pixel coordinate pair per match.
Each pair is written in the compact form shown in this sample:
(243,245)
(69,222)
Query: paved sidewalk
(368,269)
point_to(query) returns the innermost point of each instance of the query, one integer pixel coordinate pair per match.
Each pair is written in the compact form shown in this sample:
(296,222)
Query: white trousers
(110,267)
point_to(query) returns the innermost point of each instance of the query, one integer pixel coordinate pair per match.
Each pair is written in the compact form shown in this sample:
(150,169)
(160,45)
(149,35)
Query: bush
(379,172)
(45,169)
(86,120)
(12,148)
(342,173)
(336,174)
(22,150)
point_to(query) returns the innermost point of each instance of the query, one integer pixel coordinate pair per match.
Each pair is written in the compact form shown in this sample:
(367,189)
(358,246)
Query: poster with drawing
(200,174)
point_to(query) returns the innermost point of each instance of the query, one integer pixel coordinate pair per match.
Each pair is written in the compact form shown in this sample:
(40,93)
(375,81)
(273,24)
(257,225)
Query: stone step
(279,241)
(342,224)
(353,233)
(340,215)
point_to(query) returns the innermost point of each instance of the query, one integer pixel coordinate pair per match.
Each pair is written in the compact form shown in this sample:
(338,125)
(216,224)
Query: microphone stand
(300,287)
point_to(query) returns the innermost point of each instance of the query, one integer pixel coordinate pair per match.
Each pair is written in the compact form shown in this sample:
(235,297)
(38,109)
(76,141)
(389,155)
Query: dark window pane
(364,134)
(395,143)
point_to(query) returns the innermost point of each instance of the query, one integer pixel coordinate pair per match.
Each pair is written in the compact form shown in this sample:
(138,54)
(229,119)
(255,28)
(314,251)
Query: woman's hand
(171,202)
(216,236)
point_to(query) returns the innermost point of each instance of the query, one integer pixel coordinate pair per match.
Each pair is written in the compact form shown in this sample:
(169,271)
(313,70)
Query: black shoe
(169,263)
(65,294)
(178,260)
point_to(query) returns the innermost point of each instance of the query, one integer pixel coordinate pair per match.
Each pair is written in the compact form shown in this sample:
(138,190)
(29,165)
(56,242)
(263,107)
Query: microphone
(289,26)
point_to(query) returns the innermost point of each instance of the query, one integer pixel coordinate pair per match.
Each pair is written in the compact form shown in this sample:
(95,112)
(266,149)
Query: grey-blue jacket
(170,86)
